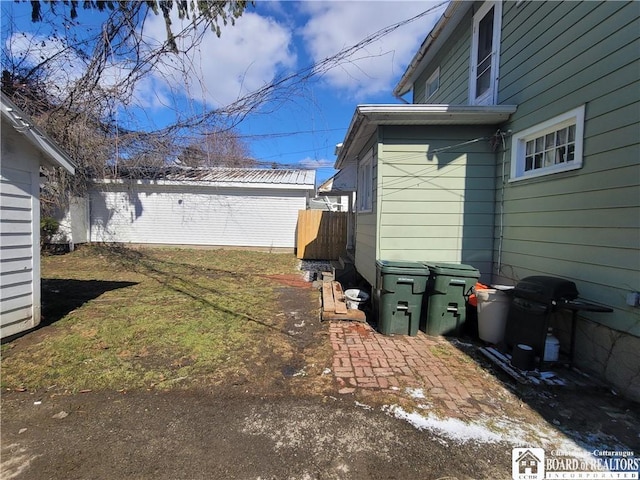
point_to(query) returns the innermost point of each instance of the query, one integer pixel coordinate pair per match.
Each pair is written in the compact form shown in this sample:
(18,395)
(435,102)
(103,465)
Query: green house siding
(584,224)
(366,226)
(454,69)
(436,206)
(573,62)
(365,258)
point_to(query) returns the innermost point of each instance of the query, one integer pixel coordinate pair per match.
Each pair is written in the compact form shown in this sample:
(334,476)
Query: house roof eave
(451,17)
(367,118)
(342,183)
(22,124)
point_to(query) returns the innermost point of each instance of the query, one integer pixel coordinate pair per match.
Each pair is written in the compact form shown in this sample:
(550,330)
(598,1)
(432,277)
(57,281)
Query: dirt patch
(181,435)
(307,366)
(361,329)
(290,280)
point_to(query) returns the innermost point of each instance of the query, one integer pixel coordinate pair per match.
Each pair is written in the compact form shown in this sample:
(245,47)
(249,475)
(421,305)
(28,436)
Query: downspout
(379,194)
(344,147)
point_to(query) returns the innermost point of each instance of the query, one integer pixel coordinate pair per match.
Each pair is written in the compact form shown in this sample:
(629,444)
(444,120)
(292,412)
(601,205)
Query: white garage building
(197,206)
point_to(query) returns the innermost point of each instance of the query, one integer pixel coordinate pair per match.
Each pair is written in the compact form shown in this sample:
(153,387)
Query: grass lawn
(150,318)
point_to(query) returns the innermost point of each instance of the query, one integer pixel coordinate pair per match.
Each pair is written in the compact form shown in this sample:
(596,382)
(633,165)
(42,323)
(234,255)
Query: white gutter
(367,117)
(35,136)
(443,110)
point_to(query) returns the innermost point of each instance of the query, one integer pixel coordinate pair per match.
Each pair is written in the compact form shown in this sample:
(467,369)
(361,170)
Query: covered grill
(546,290)
(534,300)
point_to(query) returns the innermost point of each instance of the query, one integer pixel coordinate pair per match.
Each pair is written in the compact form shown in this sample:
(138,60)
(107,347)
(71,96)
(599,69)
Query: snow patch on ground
(364,405)
(451,428)
(415,392)
(15,460)
(495,430)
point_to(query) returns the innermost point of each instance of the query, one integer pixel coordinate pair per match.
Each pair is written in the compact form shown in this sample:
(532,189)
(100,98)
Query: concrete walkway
(366,359)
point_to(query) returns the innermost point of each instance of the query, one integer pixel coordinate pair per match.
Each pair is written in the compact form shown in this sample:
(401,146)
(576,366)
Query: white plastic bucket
(493,308)
(355,298)
(551,348)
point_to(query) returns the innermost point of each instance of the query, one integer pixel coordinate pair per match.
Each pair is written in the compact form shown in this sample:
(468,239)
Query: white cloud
(373,69)
(254,51)
(316,163)
(218,71)
(66,67)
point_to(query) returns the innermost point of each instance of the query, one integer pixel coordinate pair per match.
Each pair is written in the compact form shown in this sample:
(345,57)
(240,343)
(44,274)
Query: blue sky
(273,39)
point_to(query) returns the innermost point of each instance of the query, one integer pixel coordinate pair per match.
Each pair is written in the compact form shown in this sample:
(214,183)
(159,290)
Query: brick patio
(448,378)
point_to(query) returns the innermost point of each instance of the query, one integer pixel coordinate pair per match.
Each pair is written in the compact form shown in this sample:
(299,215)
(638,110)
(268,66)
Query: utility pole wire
(241,108)
(87,113)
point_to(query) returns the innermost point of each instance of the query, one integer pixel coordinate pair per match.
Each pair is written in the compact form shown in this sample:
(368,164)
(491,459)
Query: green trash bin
(399,292)
(448,290)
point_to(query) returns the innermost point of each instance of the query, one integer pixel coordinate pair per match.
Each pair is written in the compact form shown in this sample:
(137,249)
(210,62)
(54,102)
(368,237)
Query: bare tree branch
(86,110)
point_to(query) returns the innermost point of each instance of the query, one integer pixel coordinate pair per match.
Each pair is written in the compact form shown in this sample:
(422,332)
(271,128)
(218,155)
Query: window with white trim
(365,183)
(551,147)
(485,54)
(432,85)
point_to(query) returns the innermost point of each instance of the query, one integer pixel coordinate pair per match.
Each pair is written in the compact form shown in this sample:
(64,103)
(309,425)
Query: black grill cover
(545,289)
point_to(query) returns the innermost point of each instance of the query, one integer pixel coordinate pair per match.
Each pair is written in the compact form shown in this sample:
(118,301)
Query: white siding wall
(195,215)
(20,234)
(74,223)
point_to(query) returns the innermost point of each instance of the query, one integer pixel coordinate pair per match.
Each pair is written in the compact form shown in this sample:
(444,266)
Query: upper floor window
(485,54)
(432,85)
(551,147)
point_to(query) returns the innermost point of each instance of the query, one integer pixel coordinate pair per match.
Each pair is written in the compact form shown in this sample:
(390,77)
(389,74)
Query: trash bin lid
(403,267)
(453,269)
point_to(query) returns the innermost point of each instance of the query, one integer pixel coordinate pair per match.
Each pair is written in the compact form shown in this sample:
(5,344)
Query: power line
(288,134)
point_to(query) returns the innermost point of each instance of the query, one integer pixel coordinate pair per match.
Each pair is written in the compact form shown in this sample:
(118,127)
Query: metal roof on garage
(245,175)
(222,176)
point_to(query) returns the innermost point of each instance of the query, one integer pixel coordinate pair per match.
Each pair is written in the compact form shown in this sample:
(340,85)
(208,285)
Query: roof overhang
(341,183)
(367,118)
(52,154)
(452,16)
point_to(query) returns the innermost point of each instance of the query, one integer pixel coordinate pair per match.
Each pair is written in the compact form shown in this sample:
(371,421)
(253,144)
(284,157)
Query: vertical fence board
(321,235)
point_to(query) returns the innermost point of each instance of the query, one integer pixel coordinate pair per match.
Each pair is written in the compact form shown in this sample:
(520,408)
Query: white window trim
(519,139)
(365,183)
(435,75)
(491,97)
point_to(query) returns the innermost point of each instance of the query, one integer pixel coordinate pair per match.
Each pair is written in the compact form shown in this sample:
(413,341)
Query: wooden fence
(321,235)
